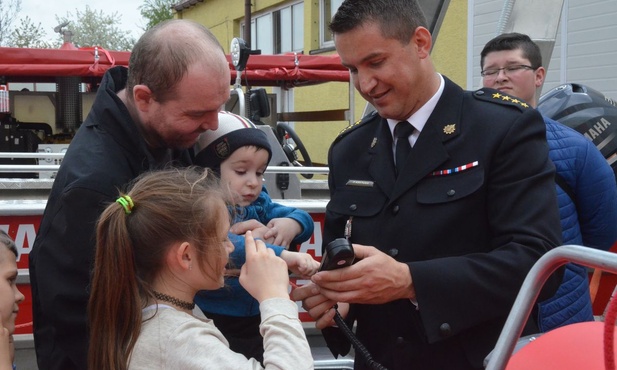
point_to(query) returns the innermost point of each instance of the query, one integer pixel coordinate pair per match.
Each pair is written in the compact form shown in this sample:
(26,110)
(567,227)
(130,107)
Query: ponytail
(115,305)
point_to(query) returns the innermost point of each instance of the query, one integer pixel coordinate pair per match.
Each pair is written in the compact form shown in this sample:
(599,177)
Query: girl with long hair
(156,246)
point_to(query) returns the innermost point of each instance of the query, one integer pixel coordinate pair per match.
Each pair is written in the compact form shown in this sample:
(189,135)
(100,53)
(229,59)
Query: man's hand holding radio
(375,278)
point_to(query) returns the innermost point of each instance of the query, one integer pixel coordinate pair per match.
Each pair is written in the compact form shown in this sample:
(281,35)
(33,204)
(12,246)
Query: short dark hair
(164,53)
(398,19)
(514,41)
(8,242)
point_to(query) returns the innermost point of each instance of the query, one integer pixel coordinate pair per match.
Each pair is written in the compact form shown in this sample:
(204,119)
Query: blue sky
(45,12)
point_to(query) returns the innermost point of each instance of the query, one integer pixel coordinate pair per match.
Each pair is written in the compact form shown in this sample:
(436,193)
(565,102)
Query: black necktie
(403,148)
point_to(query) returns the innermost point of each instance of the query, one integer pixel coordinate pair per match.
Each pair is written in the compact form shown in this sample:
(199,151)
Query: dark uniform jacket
(472,210)
(106,153)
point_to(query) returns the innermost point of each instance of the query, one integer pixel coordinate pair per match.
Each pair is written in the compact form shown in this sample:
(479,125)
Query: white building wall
(485,22)
(585,47)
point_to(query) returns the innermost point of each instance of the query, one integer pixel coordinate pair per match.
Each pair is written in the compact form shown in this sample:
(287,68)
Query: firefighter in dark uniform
(444,235)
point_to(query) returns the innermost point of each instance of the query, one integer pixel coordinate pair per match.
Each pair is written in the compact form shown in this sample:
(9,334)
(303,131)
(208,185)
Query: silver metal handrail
(535,280)
(24,168)
(21,168)
(30,155)
(294,169)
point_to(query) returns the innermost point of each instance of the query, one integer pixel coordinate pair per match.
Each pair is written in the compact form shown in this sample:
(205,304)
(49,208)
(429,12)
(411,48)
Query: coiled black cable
(358,347)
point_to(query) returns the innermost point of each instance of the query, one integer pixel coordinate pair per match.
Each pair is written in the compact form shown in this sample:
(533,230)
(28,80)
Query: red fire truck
(53,90)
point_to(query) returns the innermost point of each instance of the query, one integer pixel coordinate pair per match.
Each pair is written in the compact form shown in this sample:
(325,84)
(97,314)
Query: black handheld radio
(339,253)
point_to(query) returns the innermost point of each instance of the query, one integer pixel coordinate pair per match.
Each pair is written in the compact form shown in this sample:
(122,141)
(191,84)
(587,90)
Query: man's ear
(423,40)
(142,95)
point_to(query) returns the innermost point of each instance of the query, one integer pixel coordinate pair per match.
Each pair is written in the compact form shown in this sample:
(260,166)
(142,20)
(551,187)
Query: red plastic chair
(601,287)
(578,346)
(582,346)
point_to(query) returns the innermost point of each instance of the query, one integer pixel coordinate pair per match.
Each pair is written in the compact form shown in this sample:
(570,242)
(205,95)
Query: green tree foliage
(8,12)
(95,28)
(156,11)
(28,35)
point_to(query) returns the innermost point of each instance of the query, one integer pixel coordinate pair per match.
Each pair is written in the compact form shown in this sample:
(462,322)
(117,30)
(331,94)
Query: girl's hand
(7,350)
(263,275)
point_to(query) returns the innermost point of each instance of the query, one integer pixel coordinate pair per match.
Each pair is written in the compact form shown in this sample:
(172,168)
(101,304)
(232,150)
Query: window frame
(324,23)
(277,32)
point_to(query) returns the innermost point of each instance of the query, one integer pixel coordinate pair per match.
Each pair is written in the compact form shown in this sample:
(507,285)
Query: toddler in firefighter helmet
(239,153)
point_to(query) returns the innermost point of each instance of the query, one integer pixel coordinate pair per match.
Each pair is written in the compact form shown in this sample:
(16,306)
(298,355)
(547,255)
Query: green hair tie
(127,203)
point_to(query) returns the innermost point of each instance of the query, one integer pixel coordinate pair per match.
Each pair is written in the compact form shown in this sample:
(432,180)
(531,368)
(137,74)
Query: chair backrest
(609,335)
(586,345)
(571,347)
(565,344)
(601,287)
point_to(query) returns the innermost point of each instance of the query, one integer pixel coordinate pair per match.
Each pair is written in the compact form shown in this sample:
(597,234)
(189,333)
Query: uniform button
(353,207)
(393,252)
(445,330)
(400,340)
(479,92)
(395,209)
(451,192)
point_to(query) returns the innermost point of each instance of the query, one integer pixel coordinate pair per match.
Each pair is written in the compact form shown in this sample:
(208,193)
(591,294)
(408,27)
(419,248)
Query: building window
(328,8)
(279,31)
(434,10)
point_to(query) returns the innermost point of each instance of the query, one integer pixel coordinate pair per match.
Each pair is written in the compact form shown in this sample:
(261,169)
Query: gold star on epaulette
(496,95)
(449,129)
(515,101)
(350,127)
(525,105)
(506,98)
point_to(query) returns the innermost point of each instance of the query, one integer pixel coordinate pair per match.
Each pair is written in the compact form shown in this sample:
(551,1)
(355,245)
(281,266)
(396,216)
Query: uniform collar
(419,118)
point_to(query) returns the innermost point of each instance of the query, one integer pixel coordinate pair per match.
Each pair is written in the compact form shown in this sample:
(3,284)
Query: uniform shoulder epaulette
(499,97)
(354,126)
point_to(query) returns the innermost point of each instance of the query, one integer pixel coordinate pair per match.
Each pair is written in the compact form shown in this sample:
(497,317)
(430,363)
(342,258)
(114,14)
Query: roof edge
(185,4)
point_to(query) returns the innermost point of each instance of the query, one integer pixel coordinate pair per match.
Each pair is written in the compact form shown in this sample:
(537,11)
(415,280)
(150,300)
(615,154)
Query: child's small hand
(301,264)
(283,230)
(263,274)
(6,349)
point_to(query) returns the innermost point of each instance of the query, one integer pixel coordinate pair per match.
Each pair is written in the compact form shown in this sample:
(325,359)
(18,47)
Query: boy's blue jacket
(233,299)
(589,220)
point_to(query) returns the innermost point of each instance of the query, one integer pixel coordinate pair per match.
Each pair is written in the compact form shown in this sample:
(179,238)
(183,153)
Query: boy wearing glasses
(585,184)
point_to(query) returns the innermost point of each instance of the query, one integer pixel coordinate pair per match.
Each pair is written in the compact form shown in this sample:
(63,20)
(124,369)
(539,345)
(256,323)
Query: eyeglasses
(507,70)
